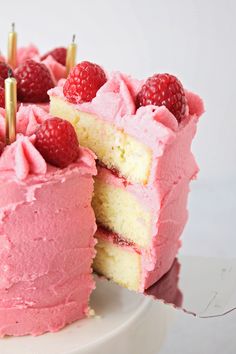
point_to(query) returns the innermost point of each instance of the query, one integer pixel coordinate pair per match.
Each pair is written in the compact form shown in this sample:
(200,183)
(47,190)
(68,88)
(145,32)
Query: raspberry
(83,82)
(33,82)
(59,54)
(2,97)
(57,142)
(4,70)
(164,89)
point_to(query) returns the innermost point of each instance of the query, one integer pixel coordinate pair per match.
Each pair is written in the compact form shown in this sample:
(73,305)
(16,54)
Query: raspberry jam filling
(118,239)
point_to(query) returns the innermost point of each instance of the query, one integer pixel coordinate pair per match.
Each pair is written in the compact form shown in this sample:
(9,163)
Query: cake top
(35,73)
(88,85)
(116,101)
(45,147)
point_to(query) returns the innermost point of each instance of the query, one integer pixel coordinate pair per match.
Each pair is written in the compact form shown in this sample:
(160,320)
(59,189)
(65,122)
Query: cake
(47,225)
(141,132)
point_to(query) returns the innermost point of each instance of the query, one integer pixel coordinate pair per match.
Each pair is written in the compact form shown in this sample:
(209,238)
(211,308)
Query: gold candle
(10,109)
(71,56)
(12,47)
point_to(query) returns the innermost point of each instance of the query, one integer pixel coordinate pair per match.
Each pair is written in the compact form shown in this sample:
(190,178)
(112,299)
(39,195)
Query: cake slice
(47,226)
(128,140)
(141,133)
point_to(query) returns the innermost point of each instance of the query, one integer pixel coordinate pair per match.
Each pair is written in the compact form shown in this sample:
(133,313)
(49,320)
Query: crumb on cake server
(141,133)
(46,230)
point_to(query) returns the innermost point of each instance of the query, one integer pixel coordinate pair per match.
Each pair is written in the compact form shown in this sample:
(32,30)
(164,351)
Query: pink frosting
(46,235)
(29,52)
(22,158)
(29,118)
(57,70)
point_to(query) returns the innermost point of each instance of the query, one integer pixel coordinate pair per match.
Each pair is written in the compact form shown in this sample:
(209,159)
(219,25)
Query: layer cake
(146,164)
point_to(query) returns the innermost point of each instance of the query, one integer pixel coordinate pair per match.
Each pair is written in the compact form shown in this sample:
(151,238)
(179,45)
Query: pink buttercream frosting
(46,234)
(22,158)
(29,52)
(57,70)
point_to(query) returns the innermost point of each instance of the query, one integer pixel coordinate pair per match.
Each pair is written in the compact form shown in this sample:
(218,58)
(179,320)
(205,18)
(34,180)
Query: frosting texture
(46,234)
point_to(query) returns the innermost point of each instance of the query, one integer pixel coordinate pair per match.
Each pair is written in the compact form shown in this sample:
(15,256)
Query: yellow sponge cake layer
(113,147)
(120,264)
(119,211)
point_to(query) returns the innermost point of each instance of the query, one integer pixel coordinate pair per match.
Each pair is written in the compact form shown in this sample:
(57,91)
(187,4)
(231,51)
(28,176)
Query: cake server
(203,287)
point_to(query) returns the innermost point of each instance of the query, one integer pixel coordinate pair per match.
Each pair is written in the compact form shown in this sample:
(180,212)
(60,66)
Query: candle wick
(10,72)
(13,26)
(73,38)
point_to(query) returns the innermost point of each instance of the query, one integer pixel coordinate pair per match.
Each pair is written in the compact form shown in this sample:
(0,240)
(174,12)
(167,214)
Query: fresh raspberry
(4,70)
(83,82)
(33,82)
(57,142)
(59,54)
(164,89)
(2,97)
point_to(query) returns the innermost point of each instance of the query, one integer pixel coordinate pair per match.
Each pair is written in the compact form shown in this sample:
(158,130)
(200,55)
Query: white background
(194,40)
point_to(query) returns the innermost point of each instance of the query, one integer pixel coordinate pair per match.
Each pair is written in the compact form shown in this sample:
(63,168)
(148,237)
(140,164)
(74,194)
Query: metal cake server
(203,287)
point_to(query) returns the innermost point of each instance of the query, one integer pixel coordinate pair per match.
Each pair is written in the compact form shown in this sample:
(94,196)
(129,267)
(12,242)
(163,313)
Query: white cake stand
(126,323)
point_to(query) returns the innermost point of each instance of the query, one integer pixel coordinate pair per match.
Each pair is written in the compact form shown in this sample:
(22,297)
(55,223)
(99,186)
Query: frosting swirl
(23,158)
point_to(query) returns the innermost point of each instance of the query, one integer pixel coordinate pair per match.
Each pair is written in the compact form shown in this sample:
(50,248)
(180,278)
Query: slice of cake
(47,225)
(141,133)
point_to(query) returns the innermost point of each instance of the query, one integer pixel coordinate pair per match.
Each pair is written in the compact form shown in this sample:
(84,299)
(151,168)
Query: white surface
(190,335)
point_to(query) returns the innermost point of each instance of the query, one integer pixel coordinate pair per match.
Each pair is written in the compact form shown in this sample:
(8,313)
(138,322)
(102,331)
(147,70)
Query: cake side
(46,233)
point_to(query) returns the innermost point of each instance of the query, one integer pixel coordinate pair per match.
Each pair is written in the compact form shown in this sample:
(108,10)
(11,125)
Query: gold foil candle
(10,108)
(12,47)
(71,56)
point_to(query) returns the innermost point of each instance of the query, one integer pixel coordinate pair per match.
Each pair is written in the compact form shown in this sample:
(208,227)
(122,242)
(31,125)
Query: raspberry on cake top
(47,225)
(35,74)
